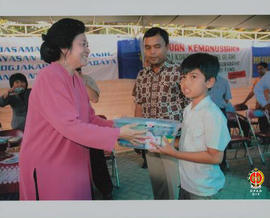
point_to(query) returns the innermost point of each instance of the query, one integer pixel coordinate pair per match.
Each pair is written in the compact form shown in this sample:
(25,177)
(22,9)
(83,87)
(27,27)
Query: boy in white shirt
(204,134)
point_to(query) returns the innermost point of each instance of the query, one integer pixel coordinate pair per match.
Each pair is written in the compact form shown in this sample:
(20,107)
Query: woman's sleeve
(58,108)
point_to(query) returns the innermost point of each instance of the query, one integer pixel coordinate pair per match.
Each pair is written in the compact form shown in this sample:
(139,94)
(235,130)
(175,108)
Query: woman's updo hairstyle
(60,35)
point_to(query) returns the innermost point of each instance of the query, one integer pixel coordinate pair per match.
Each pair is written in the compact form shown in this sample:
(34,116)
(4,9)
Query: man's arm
(6,93)
(138,110)
(250,95)
(93,96)
(136,93)
(4,99)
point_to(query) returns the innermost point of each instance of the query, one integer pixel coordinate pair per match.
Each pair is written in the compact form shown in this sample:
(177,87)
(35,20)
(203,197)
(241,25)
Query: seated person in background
(262,68)
(259,90)
(204,134)
(221,93)
(100,173)
(17,97)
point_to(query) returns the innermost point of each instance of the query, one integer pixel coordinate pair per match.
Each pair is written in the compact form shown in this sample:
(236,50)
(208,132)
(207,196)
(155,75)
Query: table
(9,167)
(9,174)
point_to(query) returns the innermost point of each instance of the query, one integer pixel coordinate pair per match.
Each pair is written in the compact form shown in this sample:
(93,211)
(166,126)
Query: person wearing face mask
(17,97)
(61,124)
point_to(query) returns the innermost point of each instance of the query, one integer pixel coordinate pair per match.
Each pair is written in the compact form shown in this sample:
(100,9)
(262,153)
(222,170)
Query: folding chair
(111,157)
(237,137)
(260,138)
(267,116)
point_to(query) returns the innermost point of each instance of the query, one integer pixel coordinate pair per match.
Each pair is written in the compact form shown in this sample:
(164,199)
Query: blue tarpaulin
(260,53)
(129,58)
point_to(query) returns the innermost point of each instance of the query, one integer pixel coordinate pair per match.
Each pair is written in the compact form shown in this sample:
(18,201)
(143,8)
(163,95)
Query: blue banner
(261,53)
(129,58)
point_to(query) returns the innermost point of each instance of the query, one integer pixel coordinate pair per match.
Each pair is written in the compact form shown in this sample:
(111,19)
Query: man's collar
(164,65)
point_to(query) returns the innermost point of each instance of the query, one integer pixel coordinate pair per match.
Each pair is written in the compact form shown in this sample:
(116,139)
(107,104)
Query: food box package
(156,129)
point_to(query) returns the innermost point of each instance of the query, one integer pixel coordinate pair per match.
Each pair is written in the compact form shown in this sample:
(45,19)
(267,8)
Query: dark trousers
(143,152)
(100,173)
(263,124)
(223,163)
(185,195)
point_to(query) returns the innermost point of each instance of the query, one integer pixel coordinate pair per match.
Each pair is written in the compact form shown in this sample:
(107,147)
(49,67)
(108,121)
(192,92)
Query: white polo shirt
(203,126)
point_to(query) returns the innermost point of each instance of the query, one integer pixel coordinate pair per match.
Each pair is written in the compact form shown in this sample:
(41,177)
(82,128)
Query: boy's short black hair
(17,76)
(157,31)
(265,65)
(206,63)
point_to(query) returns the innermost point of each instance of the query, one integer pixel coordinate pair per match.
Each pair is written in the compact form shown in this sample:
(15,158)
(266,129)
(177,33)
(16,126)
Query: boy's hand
(166,149)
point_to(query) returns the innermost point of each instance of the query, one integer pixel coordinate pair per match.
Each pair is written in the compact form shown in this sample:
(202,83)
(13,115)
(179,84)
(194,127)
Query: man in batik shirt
(158,95)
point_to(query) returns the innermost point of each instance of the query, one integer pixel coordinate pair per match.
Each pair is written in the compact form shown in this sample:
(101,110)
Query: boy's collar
(201,104)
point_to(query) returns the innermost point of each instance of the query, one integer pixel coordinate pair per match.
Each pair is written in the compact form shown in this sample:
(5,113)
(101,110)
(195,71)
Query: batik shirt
(159,93)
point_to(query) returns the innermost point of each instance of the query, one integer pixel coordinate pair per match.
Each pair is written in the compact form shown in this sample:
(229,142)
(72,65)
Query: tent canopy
(243,22)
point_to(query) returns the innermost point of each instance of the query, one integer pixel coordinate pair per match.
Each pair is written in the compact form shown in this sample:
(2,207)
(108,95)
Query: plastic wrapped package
(155,130)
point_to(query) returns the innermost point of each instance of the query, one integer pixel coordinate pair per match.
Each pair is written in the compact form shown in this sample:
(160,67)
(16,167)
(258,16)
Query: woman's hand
(134,136)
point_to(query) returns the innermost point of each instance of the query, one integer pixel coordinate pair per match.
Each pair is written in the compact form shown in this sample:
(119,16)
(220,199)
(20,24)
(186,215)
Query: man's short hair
(206,63)
(157,31)
(263,64)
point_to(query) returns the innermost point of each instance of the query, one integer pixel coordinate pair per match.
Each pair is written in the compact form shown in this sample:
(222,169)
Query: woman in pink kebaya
(61,124)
